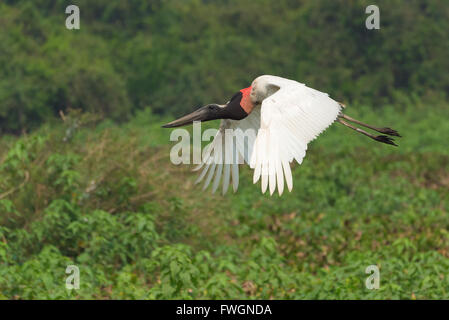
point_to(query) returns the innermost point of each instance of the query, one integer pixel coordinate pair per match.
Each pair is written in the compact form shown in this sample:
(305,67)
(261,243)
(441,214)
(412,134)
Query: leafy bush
(109,201)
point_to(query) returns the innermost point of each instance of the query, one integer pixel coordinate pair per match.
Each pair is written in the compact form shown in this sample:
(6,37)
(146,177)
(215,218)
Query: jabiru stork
(284,116)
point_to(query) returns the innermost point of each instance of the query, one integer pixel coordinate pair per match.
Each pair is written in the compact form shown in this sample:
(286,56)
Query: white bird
(272,121)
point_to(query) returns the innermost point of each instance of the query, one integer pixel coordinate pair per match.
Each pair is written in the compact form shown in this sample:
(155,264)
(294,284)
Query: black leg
(388,131)
(383,139)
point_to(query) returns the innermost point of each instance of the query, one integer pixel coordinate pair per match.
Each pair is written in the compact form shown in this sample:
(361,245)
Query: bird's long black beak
(202,114)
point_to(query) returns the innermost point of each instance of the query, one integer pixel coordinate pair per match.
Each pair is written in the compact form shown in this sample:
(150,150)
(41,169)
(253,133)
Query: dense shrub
(109,201)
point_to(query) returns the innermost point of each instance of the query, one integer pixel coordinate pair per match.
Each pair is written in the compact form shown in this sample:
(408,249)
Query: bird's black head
(232,110)
(214,111)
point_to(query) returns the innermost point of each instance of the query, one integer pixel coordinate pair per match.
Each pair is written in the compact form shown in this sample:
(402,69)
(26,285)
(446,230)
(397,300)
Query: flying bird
(272,120)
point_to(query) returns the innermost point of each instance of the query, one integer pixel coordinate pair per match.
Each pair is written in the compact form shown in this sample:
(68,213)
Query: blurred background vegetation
(85,171)
(172,56)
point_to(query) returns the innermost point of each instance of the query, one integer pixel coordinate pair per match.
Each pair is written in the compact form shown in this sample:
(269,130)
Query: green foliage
(174,55)
(109,201)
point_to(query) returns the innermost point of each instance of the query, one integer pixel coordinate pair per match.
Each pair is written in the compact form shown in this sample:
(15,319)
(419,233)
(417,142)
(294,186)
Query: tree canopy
(173,56)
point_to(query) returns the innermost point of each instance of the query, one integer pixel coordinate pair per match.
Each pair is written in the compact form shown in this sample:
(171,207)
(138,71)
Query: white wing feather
(290,118)
(217,162)
(276,134)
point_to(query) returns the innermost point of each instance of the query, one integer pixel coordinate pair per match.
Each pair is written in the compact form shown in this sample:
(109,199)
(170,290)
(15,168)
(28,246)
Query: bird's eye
(211,107)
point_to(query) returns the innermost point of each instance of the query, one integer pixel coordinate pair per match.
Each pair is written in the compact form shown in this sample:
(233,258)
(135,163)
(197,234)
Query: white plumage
(286,117)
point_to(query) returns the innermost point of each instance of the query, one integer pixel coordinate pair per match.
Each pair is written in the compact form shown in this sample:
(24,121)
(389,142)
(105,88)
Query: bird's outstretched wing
(290,118)
(222,156)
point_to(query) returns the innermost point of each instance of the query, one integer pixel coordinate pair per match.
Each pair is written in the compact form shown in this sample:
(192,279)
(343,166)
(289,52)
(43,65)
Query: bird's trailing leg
(384,139)
(388,131)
